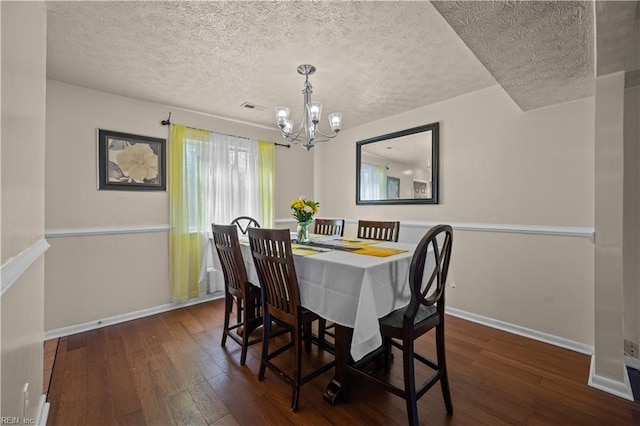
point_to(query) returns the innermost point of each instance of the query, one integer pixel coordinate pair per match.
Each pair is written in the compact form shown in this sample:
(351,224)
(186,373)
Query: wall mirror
(399,167)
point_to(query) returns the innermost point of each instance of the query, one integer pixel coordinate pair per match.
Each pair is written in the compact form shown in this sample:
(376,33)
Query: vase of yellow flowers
(303,211)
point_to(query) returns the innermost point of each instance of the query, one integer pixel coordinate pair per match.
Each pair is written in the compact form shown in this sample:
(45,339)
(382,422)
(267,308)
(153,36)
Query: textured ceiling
(540,52)
(373,59)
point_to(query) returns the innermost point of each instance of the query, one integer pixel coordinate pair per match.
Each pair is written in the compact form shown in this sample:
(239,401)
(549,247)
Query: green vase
(303,232)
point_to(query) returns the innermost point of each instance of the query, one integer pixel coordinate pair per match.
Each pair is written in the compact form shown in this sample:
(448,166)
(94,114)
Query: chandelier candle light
(308,130)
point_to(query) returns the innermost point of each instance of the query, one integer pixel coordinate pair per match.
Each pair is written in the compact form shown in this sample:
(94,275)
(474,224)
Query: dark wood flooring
(170,369)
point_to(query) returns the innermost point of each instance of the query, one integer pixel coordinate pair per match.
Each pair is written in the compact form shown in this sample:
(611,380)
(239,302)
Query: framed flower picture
(131,162)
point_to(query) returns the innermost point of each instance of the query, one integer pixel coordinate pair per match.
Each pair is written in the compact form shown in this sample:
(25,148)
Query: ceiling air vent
(249,105)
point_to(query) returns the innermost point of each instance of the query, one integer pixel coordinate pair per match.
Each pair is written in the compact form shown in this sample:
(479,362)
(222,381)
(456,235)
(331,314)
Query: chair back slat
(273,260)
(225,239)
(329,227)
(244,223)
(429,270)
(379,230)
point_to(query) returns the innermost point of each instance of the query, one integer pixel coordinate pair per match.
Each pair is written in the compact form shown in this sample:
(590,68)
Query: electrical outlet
(631,349)
(25,399)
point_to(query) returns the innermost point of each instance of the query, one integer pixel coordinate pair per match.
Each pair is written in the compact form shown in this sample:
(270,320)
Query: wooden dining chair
(273,260)
(377,230)
(329,227)
(238,289)
(425,312)
(244,223)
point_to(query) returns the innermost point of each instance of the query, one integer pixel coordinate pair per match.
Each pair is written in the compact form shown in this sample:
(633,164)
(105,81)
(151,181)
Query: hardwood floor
(170,369)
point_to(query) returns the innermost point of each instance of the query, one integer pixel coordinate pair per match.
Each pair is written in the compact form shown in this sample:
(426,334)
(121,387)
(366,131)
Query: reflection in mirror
(399,167)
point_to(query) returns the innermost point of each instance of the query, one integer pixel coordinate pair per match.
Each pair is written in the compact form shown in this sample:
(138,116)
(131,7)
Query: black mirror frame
(435,166)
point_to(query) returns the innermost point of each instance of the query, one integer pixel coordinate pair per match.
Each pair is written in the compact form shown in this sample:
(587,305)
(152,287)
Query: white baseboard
(116,319)
(632,362)
(614,387)
(43,411)
(620,389)
(523,331)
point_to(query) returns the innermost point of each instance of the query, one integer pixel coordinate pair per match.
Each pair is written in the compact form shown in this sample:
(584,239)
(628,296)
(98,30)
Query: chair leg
(442,364)
(322,325)
(228,303)
(246,333)
(386,343)
(307,337)
(240,307)
(410,381)
(266,331)
(297,372)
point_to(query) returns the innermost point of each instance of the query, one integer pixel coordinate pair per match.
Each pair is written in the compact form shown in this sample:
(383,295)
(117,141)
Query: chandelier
(308,134)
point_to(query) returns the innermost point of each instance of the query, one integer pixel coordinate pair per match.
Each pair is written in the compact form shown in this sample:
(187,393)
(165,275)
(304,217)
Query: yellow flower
(139,162)
(303,209)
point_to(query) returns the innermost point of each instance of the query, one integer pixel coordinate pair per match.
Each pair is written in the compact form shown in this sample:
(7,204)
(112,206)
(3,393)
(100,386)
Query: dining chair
(329,227)
(377,230)
(273,260)
(425,311)
(244,223)
(237,288)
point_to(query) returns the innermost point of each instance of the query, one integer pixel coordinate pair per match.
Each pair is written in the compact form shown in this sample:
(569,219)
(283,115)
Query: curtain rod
(167,122)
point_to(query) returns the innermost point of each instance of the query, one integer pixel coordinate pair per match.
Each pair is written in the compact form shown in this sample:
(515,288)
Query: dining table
(350,282)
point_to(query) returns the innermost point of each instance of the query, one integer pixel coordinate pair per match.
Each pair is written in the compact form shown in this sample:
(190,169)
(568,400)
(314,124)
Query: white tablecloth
(350,289)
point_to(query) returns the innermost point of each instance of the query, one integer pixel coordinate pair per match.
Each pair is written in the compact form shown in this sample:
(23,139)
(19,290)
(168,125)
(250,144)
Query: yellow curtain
(185,243)
(266,181)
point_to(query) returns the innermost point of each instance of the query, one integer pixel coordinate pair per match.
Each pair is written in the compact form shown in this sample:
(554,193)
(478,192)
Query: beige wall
(91,277)
(23,146)
(609,168)
(632,214)
(498,165)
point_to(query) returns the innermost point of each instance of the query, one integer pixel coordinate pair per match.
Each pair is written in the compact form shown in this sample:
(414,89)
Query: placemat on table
(356,246)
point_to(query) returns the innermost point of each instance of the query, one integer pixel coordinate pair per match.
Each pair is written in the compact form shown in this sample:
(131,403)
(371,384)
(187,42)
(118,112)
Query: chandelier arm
(315,141)
(294,135)
(325,135)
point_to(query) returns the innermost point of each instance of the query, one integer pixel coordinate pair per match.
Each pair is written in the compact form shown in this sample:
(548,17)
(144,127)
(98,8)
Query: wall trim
(632,362)
(43,411)
(560,231)
(104,230)
(15,267)
(116,319)
(614,387)
(523,331)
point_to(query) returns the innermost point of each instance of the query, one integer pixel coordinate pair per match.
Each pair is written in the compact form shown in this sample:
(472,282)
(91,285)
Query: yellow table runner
(356,246)
(364,247)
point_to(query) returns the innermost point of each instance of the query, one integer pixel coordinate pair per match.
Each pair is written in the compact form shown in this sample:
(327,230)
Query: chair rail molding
(559,231)
(105,230)
(16,266)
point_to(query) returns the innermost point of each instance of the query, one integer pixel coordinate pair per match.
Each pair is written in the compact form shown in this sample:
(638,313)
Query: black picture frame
(127,162)
(428,134)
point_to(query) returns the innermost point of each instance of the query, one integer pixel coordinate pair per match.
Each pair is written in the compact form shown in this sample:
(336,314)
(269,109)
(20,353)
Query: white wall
(22,189)
(498,165)
(91,277)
